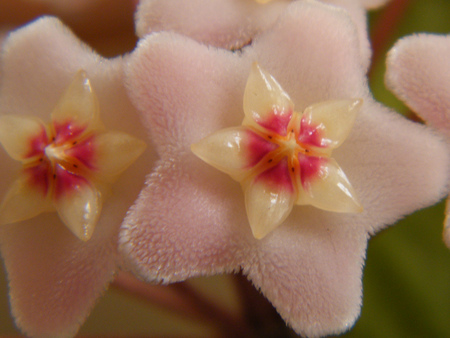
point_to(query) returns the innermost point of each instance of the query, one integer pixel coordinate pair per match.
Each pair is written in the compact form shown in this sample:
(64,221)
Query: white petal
(328,188)
(20,136)
(266,104)
(269,199)
(233,150)
(327,124)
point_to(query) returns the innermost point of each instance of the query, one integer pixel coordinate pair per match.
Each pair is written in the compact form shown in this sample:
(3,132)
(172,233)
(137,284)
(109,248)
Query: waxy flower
(281,157)
(232,24)
(64,141)
(418,72)
(190,219)
(63,161)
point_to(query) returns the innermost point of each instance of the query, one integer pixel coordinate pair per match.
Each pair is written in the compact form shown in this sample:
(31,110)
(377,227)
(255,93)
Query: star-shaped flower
(418,72)
(232,24)
(190,220)
(282,157)
(66,165)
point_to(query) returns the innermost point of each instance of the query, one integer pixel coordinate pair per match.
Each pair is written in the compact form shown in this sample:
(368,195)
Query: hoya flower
(232,24)
(282,157)
(67,172)
(418,72)
(191,220)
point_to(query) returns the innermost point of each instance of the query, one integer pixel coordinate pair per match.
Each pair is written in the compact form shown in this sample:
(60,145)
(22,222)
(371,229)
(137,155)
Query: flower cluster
(103,160)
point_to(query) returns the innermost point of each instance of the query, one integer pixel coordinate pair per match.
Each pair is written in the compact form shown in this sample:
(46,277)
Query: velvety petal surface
(232,24)
(54,277)
(190,220)
(419,74)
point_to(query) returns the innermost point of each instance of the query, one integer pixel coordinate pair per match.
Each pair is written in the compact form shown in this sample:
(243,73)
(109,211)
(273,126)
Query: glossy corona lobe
(282,157)
(65,164)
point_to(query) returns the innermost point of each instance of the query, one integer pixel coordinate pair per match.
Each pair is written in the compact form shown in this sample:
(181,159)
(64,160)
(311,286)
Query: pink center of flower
(289,153)
(60,160)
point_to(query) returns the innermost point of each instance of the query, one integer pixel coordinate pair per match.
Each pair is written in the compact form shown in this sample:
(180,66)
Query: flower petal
(26,199)
(325,68)
(115,152)
(226,24)
(327,124)
(233,150)
(269,198)
(22,137)
(77,202)
(415,73)
(310,269)
(266,104)
(48,267)
(54,278)
(326,186)
(77,112)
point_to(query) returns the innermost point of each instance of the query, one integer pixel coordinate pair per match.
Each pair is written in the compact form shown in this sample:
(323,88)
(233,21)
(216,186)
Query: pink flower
(232,24)
(57,155)
(418,72)
(190,220)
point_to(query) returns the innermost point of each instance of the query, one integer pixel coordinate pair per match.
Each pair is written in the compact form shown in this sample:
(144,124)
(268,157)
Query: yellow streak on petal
(263,96)
(225,150)
(78,104)
(330,190)
(334,119)
(116,151)
(267,207)
(80,210)
(23,202)
(16,133)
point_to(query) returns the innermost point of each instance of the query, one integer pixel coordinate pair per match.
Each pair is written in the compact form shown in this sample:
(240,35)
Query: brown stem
(163,296)
(229,325)
(183,300)
(383,28)
(259,312)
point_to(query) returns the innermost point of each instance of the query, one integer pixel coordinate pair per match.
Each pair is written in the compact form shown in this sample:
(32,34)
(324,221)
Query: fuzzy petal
(419,74)
(232,24)
(48,267)
(310,266)
(200,19)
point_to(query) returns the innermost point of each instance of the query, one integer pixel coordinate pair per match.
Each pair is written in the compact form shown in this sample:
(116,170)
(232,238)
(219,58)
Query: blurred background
(407,273)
